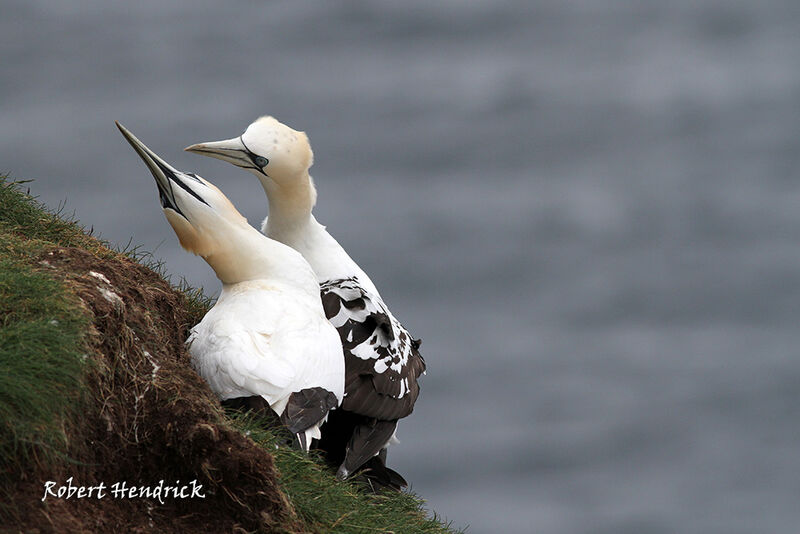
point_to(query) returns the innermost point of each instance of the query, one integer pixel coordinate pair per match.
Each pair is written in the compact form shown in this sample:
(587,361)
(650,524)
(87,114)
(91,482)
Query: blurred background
(588,210)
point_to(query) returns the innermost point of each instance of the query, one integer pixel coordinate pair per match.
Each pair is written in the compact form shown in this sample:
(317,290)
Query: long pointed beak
(164,173)
(230,150)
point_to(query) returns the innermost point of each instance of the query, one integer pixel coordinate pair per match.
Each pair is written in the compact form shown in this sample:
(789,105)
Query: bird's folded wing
(383,362)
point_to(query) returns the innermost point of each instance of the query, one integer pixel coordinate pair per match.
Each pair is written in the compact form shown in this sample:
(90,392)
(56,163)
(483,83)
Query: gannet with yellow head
(267,335)
(382,360)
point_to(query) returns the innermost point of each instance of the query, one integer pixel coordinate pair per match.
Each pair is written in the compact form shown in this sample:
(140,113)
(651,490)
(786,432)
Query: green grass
(41,332)
(23,215)
(329,505)
(41,368)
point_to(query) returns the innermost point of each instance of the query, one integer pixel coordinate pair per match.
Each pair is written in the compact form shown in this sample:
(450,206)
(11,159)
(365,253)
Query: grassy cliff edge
(96,387)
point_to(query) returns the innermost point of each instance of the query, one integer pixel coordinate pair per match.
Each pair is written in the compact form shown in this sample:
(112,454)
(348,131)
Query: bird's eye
(260,161)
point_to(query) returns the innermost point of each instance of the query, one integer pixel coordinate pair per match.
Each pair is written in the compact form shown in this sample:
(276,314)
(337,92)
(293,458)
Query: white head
(279,156)
(207,224)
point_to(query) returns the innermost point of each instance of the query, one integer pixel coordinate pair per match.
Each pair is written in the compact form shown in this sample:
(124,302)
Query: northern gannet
(381,358)
(267,335)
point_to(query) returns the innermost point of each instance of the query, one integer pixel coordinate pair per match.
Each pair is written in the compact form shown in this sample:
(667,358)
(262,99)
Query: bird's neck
(290,205)
(247,255)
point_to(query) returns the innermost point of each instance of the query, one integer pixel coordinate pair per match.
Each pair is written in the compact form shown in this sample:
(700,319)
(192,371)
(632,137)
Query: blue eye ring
(261,161)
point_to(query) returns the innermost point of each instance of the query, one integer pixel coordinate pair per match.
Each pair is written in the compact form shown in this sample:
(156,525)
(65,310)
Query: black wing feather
(384,385)
(306,408)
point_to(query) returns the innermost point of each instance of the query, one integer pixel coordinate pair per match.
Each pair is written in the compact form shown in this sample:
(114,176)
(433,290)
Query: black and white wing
(382,361)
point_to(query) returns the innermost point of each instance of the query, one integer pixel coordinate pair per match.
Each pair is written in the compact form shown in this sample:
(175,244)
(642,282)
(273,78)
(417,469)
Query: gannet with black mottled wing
(267,335)
(382,360)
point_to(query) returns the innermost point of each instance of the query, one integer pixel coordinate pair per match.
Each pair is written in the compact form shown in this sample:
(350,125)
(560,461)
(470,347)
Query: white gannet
(381,359)
(267,335)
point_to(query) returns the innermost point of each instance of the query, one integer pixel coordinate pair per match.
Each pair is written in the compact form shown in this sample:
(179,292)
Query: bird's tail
(377,477)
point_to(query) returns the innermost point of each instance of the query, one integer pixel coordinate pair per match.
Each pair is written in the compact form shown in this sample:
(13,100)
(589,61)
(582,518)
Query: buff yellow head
(278,156)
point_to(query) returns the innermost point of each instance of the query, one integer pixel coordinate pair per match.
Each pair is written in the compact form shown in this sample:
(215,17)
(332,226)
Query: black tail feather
(367,440)
(377,477)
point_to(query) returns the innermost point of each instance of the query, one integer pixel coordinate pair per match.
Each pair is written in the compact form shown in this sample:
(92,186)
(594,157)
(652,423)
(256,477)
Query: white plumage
(266,338)
(267,335)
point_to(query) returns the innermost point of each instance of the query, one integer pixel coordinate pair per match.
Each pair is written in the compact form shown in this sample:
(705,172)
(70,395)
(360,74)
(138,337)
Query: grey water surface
(588,210)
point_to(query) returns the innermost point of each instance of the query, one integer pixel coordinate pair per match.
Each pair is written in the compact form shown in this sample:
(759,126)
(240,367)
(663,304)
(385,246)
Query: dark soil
(148,417)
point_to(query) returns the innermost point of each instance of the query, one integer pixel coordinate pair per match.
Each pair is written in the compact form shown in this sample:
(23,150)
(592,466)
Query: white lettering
(118,490)
(196,490)
(48,489)
(121,490)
